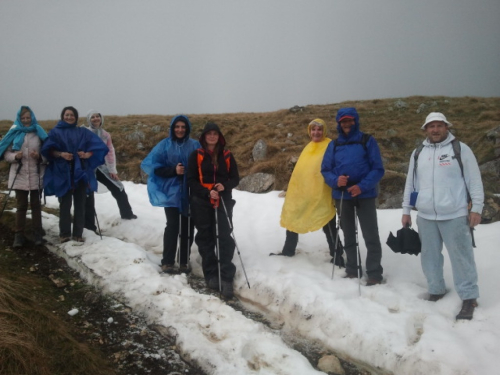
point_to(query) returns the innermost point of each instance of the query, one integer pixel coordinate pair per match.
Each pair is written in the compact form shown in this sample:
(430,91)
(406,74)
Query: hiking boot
(227,289)
(372,282)
(18,240)
(184,268)
(339,261)
(468,306)
(130,217)
(79,239)
(213,283)
(64,239)
(37,238)
(168,268)
(350,276)
(435,297)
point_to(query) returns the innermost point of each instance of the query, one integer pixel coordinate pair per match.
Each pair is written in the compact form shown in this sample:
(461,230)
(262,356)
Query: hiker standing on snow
(212,175)
(167,187)
(106,174)
(73,154)
(21,148)
(353,167)
(445,211)
(308,203)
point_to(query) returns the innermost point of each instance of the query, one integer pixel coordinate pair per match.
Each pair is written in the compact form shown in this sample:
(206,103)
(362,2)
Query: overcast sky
(167,57)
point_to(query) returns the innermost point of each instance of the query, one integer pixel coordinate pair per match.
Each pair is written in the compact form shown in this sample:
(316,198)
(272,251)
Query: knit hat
(435,116)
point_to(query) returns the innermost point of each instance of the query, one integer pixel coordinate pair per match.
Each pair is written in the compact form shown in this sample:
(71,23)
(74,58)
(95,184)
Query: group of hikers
(334,186)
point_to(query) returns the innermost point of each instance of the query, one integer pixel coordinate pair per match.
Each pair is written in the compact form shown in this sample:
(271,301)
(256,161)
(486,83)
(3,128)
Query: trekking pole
(179,242)
(97,221)
(189,233)
(178,250)
(338,231)
(39,181)
(10,190)
(217,247)
(236,244)
(358,260)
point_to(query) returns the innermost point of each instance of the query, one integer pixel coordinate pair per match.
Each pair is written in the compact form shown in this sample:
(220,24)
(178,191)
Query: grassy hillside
(395,123)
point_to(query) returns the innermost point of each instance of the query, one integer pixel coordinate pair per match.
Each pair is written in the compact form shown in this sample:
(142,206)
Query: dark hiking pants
(204,220)
(171,234)
(367,215)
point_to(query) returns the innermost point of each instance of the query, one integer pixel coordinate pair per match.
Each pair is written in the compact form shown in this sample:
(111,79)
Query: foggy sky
(192,56)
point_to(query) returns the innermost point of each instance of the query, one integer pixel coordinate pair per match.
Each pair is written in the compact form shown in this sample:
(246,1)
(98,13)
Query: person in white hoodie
(445,211)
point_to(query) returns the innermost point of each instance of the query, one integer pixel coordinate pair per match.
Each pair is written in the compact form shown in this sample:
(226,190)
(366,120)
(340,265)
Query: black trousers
(367,215)
(76,196)
(206,239)
(330,231)
(171,235)
(119,195)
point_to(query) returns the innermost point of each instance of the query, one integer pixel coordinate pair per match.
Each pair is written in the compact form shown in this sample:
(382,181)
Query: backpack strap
(364,140)
(455,144)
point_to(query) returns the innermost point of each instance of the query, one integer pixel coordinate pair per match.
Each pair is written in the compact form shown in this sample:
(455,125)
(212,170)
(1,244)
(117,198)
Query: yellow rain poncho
(308,203)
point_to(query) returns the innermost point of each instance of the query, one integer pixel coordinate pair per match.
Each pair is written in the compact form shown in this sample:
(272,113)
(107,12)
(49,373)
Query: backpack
(455,143)
(364,140)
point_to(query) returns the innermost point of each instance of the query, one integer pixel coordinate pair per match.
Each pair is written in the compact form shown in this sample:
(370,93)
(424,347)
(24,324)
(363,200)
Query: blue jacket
(61,175)
(364,167)
(165,187)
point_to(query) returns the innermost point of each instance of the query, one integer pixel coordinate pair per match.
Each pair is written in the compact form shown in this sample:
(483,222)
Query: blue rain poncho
(61,175)
(170,191)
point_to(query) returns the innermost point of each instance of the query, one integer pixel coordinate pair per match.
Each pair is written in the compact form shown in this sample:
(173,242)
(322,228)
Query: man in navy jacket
(352,166)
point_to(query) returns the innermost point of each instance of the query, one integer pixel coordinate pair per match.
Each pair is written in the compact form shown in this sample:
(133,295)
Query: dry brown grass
(396,129)
(34,342)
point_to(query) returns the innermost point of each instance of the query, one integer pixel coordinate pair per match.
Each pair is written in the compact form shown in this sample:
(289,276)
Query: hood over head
(317,122)
(91,127)
(175,120)
(212,126)
(348,112)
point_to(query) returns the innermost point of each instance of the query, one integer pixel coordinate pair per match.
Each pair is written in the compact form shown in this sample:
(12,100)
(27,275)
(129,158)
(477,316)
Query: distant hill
(395,123)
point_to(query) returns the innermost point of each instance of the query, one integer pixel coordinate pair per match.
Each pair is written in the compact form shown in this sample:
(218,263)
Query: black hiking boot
(38,238)
(213,283)
(435,297)
(339,261)
(18,240)
(468,306)
(227,289)
(168,268)
(184,268)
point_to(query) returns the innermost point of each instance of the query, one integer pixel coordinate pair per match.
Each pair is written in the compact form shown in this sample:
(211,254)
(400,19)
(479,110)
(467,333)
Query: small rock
(330,364)
(73,312)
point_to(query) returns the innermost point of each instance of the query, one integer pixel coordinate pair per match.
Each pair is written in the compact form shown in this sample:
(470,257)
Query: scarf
(18,131)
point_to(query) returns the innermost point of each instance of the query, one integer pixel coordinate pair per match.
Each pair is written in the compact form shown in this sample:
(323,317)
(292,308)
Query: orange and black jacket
(202,174)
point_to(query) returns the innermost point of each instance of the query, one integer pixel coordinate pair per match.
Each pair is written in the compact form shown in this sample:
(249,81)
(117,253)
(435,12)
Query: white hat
(436,116)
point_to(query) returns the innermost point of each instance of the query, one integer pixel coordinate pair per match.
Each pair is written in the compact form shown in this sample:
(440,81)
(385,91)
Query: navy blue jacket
(363,166)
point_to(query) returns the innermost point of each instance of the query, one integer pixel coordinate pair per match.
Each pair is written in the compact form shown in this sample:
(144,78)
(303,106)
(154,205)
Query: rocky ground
(129,344)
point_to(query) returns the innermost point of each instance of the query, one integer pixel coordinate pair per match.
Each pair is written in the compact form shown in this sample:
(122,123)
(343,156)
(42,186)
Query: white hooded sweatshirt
(438,180)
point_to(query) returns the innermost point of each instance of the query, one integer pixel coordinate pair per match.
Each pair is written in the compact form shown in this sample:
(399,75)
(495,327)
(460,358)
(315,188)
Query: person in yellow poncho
(308,204)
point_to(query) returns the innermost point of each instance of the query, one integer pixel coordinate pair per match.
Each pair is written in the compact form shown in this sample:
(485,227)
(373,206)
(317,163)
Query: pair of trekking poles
(215,204)
(217,247)
(358,257)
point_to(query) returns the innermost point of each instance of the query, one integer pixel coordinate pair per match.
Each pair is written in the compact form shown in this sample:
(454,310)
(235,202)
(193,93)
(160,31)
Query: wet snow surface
(388,326)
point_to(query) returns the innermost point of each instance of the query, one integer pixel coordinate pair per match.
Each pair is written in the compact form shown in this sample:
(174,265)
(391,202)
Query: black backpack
(364,140)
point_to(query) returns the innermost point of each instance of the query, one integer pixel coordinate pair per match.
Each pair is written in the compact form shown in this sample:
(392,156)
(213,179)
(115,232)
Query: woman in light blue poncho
(167,187)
